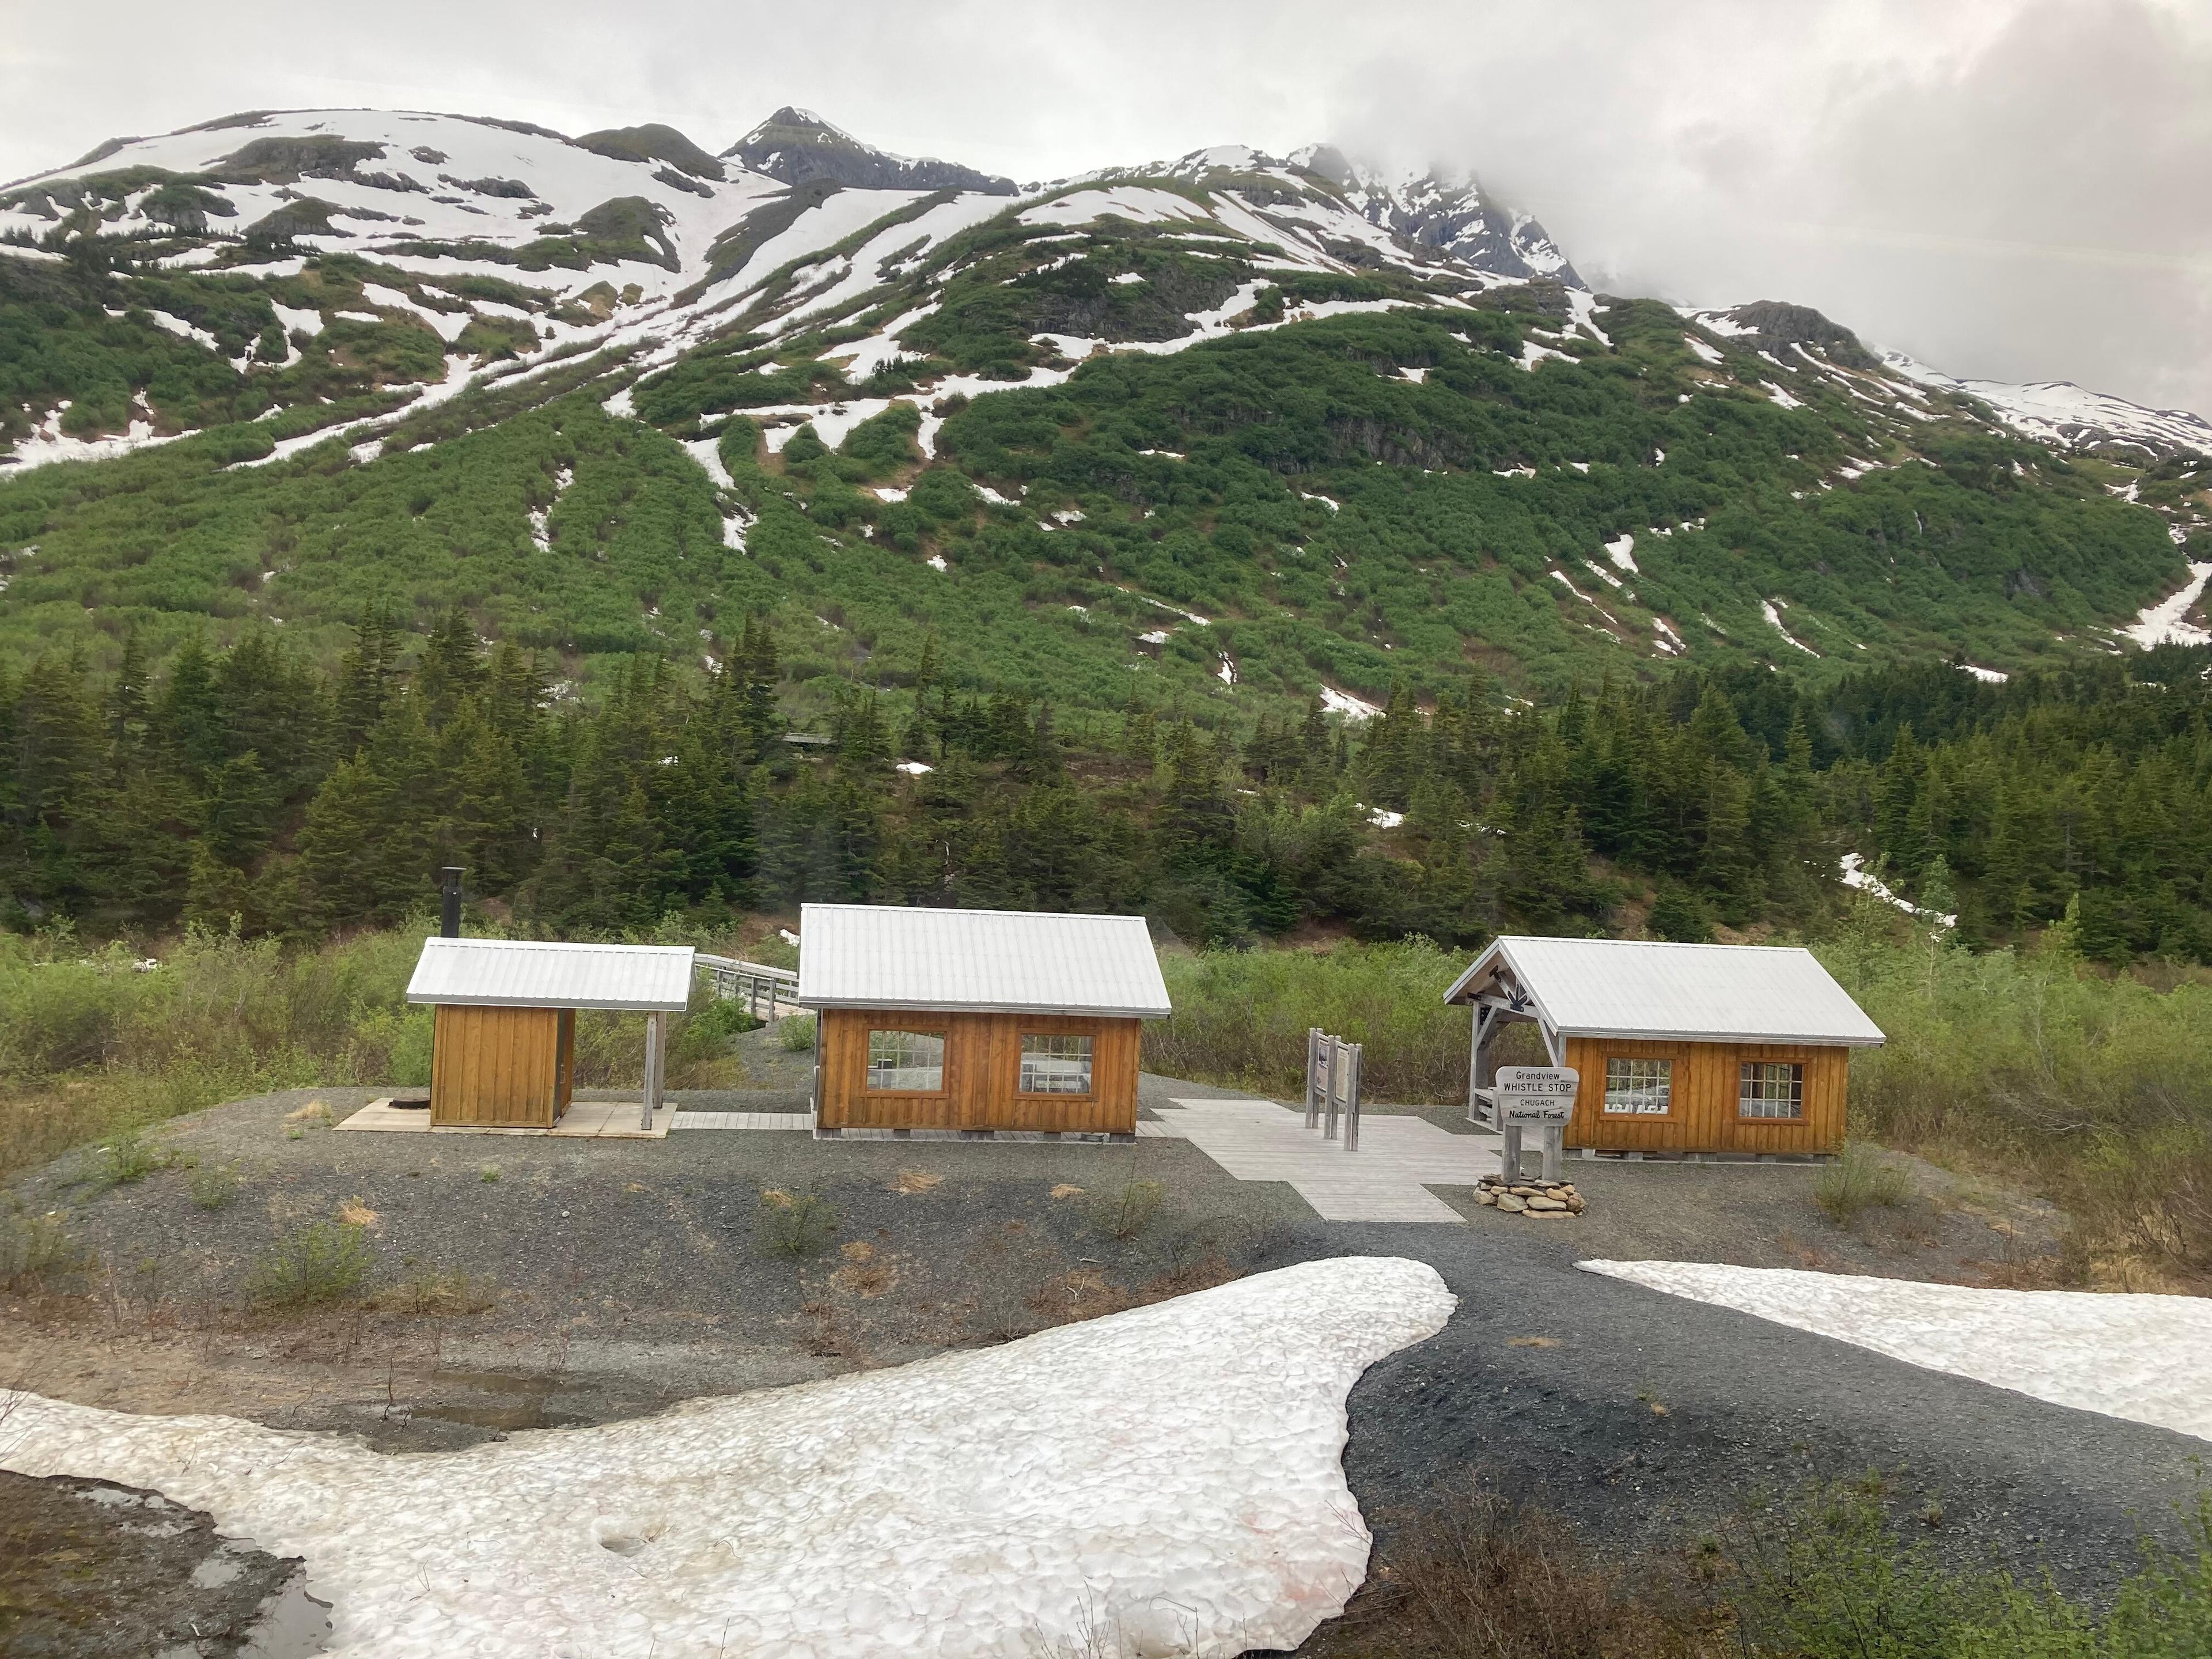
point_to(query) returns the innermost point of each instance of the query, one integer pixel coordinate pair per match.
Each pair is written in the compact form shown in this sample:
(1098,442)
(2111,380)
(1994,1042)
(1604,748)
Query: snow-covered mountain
(521,249)
(796,146)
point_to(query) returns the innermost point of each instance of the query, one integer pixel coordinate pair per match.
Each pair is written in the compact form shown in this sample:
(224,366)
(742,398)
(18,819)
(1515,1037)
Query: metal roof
(874,956)
(512,973)
(1649,989)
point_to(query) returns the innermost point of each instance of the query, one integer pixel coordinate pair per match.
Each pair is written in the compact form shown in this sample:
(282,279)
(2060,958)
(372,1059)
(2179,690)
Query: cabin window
(906,1062)
(1771,1089)
(1055,1065)
(1639,1088)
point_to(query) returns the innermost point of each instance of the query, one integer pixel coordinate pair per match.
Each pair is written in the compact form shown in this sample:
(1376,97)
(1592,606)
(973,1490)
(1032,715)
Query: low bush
(1857,1181)
(794,1224)
(794,1033)
(1127,1212)
(213,1185)
(324,1261)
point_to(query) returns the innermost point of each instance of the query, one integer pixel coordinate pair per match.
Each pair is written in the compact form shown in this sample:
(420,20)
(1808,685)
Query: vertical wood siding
(1704,1117)
(982,1073)
(497,1066)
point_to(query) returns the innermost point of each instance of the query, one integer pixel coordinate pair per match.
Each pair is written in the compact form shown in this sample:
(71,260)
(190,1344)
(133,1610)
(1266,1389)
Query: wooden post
(1332,1054)
(1313,1077)
(1479,1070)
(653,1053)
(1352,1102)
(1509,1157)
(1555,1135)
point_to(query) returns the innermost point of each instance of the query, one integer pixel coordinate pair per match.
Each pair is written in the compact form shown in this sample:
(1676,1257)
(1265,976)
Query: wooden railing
(766,991)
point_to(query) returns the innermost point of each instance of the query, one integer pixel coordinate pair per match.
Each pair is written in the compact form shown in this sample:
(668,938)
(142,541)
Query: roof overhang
(489,973)
(982,1008)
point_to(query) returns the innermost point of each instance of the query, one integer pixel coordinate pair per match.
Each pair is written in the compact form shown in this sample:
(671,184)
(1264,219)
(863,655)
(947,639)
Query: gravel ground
(627,1274)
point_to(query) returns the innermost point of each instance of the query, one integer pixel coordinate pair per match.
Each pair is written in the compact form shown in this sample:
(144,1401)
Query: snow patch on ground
(1532,354)
(1781,396)
(1384,818)
(1987,676)
(1622,551)
(2125,1355)
(1169,1477)
(2164,623)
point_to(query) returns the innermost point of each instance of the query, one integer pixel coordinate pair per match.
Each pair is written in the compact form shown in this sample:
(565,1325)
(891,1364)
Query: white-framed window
(1772,1088)
(1638,1088)
(1055,1065)
(906,1062)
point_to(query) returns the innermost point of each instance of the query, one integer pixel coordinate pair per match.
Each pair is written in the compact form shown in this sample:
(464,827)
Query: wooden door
(494,1067)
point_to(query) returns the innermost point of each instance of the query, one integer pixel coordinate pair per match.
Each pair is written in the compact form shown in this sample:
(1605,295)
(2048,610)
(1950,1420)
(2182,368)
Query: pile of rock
(1528,1196)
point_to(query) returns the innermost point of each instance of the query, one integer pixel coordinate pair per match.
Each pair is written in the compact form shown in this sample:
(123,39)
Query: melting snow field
(2125,1355)
(1166,1479)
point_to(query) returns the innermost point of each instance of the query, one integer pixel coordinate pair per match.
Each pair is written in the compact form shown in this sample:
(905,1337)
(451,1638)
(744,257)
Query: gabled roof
(1649,989)
(512,973)
(875,955)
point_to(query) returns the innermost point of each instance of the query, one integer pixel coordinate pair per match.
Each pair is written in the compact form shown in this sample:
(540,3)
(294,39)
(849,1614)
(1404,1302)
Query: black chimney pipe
(449,923)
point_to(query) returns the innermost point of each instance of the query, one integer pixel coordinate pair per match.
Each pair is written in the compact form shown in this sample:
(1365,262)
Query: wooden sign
(1530,1094)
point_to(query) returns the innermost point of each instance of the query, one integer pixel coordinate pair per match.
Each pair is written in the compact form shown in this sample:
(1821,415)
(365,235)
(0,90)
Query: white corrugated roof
(512,973)
(1632,988)
(876,956)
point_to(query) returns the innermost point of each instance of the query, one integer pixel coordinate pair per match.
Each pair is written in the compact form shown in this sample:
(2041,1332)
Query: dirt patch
(89,1569)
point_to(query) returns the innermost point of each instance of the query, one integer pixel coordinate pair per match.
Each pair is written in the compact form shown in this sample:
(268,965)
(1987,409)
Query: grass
(36,1247)
(1830,1576)
(1857,1181)
(439,1293)
(322,1263)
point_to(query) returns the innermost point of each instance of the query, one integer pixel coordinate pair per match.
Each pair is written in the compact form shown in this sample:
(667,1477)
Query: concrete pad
(1399,1157)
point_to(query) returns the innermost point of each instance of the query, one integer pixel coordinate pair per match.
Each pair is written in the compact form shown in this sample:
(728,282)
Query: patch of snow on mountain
(1532,354)
(708,452)
(1782,395)
(1856,875)
(1622,551)
(2166,623)
(48,443)
(1384,818)
(1142,205)
(1334,701)
(1668,642)
(1172,1475)
(1987,676)
(2117,1354)
(1703,351)
(2064,416)
(1768,609)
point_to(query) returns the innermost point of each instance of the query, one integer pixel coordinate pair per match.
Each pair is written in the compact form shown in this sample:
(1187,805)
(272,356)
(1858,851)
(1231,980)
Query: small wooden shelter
(1726,1049)
(503,1051)
(976,1020)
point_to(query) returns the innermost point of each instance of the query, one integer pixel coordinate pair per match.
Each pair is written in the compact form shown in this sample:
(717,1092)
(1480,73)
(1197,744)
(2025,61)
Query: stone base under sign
(1529,1196)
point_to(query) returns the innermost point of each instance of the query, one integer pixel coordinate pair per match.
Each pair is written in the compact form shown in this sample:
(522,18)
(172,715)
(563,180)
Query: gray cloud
(2009,188)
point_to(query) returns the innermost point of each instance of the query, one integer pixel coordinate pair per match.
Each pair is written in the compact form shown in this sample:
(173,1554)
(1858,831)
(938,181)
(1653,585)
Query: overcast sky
(2017,189)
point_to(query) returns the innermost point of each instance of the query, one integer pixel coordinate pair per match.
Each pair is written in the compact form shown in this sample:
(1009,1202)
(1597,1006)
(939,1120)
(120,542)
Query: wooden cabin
(1729,1050)
(503,1052)
(976,1020)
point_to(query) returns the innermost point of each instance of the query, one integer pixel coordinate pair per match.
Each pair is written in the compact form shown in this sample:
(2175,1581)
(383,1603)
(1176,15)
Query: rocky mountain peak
(798,147)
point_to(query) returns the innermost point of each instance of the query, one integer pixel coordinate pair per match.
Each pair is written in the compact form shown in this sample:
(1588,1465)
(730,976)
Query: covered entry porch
(503,1053)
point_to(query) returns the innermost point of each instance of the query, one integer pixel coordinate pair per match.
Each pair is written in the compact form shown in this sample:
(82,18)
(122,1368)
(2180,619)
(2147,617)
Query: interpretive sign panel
(1530,1095)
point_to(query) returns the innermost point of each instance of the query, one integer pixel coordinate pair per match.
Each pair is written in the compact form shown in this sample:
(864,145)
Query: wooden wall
(500,1067)
(1703,1117)
(983,1074)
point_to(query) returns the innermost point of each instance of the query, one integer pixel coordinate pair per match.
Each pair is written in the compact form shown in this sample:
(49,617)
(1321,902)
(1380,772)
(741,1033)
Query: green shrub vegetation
(323,1262)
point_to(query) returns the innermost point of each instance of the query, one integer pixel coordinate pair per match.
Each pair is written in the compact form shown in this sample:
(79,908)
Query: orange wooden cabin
(976,1021)
(1697,1050)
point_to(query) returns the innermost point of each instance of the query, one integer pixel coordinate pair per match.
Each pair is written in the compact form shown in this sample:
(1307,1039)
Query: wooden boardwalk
(1388,1179)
